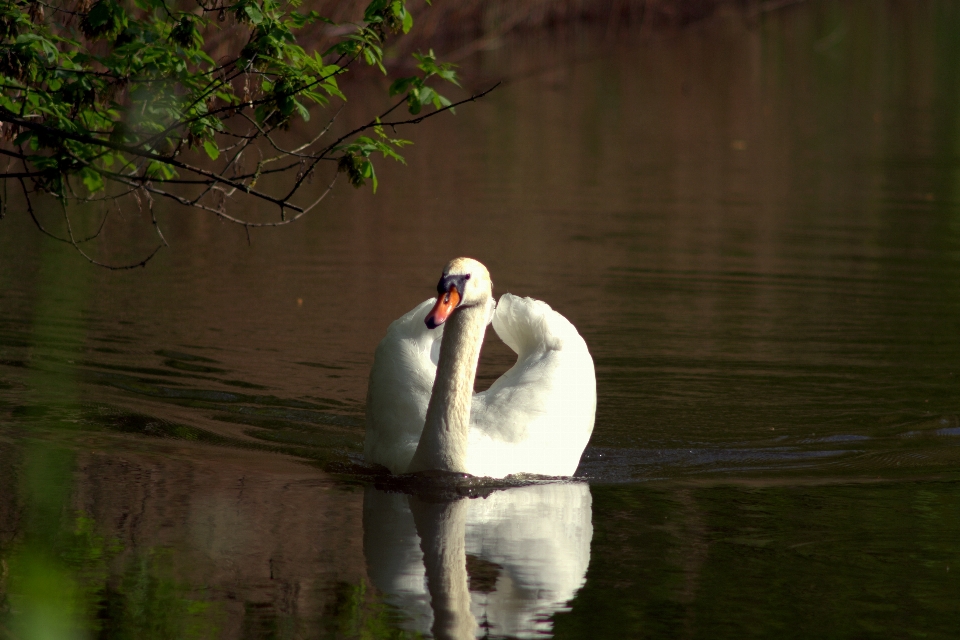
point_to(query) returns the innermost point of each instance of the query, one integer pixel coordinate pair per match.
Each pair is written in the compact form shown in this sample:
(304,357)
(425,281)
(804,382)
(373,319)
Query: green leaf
(105,18)
(92,179)
(211,148)
(413,101)
(426,95)
(330,86)
(449,75)
(400,85)
(23,138)
(300,20)
(407,21)
(160,171)
(253,12)
(304,113)
(368,172)
(445,103)
(373,12)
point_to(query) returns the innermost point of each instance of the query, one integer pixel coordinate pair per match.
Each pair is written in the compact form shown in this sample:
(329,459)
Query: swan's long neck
(443,443)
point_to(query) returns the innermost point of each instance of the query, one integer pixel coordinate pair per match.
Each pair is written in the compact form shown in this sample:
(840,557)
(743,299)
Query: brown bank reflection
(262,536)
(500,564)
(180,541)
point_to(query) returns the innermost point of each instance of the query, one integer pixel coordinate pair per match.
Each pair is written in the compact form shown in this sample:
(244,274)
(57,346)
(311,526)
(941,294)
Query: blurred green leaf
(253,12)
(211,148)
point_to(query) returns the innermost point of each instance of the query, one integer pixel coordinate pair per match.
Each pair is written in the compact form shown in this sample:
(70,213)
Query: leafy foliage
(120,98)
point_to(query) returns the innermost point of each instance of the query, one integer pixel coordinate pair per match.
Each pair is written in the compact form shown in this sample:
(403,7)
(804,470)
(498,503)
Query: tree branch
(124,267)
(8,116)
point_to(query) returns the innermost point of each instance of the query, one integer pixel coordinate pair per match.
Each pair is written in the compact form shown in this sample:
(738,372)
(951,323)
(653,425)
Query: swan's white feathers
(525,324)
(401,380)
(536,418)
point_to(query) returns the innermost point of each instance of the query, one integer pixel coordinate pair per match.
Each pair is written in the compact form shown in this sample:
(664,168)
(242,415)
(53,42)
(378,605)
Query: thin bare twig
(153,215)
(285,221)
(220,214)
(3,204)
(420,119)
(103,221)
(76,246)
(378,122)
(33,216)
(295,152)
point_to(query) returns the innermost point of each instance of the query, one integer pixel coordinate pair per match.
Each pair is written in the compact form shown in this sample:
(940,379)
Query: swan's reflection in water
(499,565)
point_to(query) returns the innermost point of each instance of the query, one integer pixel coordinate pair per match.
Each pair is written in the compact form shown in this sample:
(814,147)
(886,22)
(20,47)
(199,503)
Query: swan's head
(464,283)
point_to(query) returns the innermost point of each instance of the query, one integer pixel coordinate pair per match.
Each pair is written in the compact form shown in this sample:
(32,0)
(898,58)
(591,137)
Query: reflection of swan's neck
(442,530)
(443,443)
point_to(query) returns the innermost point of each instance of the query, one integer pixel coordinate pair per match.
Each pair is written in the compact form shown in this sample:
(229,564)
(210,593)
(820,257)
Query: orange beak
(444,307)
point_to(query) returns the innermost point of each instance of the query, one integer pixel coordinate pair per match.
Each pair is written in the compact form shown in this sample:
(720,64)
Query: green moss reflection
(149,602)
(356,612)
(63,580)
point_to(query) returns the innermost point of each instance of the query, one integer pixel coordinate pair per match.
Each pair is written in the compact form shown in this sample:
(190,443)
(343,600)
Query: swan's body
(422,413)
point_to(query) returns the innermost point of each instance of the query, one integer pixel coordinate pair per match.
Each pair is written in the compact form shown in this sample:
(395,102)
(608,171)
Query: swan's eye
(466,277)
(449,282)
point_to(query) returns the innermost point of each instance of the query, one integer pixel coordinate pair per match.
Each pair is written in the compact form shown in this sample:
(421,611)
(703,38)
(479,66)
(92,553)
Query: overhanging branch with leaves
(119,100)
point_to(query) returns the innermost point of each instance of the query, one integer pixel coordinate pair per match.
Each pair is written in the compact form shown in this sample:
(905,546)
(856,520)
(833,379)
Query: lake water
(755,225)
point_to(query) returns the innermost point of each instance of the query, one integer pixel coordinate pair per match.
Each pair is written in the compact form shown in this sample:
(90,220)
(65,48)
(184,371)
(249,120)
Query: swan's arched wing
(401,379)
(538,416)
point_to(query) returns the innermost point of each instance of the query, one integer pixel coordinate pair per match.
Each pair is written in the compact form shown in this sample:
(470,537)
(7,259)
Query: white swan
(422,413)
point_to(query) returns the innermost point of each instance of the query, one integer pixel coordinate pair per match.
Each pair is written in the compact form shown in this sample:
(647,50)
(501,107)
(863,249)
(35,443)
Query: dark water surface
(755,224)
